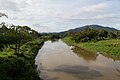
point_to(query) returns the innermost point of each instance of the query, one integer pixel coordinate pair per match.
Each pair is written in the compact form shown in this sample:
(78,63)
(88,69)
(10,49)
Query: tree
(112,35)
(103,34)
(87,34)
(16,36)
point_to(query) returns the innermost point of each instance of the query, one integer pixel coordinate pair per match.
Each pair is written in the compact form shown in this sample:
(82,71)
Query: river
(58,61)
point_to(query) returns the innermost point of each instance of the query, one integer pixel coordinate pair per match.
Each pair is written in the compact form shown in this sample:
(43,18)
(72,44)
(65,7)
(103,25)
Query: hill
(98,27)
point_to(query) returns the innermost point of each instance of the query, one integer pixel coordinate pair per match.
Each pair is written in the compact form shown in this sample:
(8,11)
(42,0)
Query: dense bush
(89,34)
(18,47)
(20,67)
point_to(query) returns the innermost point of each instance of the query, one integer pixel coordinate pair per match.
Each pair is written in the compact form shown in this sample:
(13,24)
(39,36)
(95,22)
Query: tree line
(90,34)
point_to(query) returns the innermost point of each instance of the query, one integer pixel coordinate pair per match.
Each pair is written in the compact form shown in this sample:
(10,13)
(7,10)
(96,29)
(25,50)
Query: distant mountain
(98,27)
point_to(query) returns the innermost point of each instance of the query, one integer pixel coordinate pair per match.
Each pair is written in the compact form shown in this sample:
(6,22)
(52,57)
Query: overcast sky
(60,15)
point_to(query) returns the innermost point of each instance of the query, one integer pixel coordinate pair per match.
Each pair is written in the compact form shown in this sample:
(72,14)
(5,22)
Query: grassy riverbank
(110,47)
(20,66)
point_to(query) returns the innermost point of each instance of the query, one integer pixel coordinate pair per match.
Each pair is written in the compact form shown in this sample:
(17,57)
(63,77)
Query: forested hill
(98,27)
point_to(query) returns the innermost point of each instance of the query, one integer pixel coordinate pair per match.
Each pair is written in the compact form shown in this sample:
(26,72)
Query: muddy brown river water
(58,61)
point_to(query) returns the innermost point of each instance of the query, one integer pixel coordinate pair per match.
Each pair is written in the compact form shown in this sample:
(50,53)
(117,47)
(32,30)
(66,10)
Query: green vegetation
(111,47)
(20,44)
(18,47)
(97,27)
(50,36)
(104,41)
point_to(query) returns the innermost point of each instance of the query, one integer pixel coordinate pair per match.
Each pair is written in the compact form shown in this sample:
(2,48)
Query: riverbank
(107,47)
(20,66)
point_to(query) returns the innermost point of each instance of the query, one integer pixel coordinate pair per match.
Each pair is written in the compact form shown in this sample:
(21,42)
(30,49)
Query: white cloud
(96,7)
(8,5)
(54,15)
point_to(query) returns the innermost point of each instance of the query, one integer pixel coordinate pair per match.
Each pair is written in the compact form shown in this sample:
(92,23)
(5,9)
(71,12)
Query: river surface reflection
(58,61)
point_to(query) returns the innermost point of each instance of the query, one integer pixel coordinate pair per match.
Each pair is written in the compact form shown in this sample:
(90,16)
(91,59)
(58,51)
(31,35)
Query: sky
(61,15)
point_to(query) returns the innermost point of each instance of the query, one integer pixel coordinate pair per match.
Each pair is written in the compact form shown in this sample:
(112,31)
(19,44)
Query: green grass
(69,41)
(110,47)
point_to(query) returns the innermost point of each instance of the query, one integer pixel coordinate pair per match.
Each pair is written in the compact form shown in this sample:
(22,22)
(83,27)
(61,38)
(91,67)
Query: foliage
(16,35)
(110,47)
(18,47)
(20,67)
(50,36)
(89,34)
